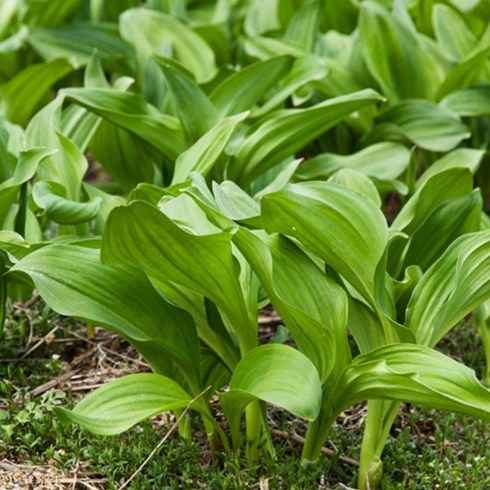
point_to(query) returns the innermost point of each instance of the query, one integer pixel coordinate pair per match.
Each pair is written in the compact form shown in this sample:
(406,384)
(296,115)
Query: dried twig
(39,343)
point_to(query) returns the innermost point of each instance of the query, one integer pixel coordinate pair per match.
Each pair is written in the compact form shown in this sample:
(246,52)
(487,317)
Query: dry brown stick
(162,442)
(75,475)
(91,342)
(38,343)
(300,440)
(38,390)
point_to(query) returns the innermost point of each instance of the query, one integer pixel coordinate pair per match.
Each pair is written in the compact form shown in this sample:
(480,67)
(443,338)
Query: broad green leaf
(465,5)
(358,183)
(383,161)
(120,404)
(132,113)
(25,170)
(452,33)
(234,202)
(461,157)
(312,306)
(304,25)
(455,285)
(437,189)
(394,55)
(282,133)
(14,244)
(107,203)
(51,198)
(21,95)
(73,282)
(364,326)
(149,31)
(427,125)
(67,167)
(416,374)
(282,179)
(276,374)
(193,108)
(441,227)
(77,41)
(124,155)
(262,16)
(465,73)
(207,150)
(242,90)
(50,13)
(8,11)
(342,227)
(79,125)
(304,70)
(469,102)
(107,10)
(141,235)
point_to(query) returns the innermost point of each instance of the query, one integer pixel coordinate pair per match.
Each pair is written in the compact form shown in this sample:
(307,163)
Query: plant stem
(484,331)
(316,434)
(253,420)
(378,423)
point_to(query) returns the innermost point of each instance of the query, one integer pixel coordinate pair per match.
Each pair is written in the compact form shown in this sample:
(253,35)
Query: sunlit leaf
(120,404)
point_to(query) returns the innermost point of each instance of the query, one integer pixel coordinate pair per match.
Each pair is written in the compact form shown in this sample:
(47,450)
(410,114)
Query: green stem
(253,422)
(315,437)
(379,420)
(484,330)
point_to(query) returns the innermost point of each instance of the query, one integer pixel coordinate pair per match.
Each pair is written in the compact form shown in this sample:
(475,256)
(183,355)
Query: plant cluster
(250,146)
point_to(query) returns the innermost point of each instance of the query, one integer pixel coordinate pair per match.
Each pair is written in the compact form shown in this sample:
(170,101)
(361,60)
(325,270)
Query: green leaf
(234,202)
(416,374)
(77,41)
(312,306)
(452,33)
(149,31)
(195,111)
(276,374)
(305,69)
(207,150)
(141,235)
(461,157)
(383,161)
(394,55)
(304,25)
(242,90)
(427,125)
(469,102)
(51,198)
(465,73)
(455,285)
(120,404)
(342,227)
(23,94)
(123,155)
(132,113)
(25,170)
(73,282)
(435,190)
(282,133)
(441,227)
(357,182)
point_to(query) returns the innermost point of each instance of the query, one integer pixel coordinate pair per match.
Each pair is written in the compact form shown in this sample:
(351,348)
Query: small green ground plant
(426,448)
